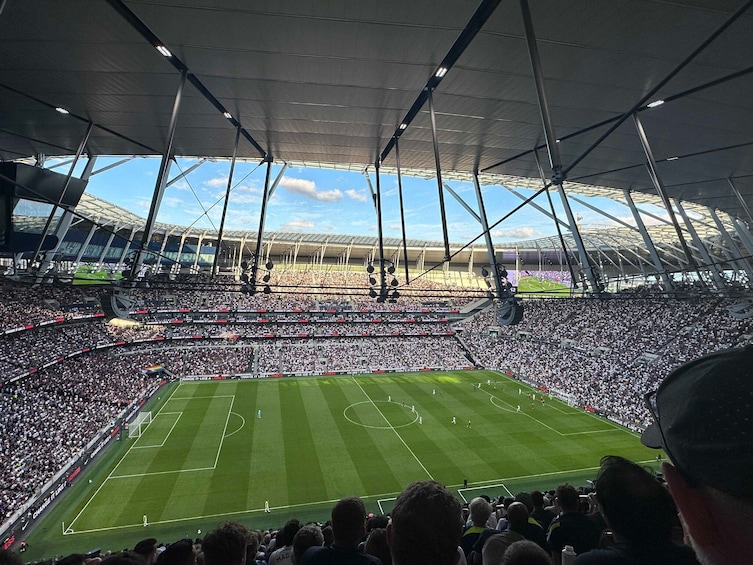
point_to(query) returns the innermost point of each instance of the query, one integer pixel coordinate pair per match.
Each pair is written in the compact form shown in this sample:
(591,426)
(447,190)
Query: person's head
(287,533)
(72,559)
(226,545)
(252,547)
(376,521)
(525,552)
(426,526)
(701,417)
(537,498)
(329,537)
(123,558)
(308,536)
(178,553)
(517,516)
(147,548)
(567,498)
(376,545)
(480,511)
(635,505)
(525,498)
(349,521)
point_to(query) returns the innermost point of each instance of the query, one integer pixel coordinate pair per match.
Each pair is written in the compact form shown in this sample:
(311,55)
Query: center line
(392,428)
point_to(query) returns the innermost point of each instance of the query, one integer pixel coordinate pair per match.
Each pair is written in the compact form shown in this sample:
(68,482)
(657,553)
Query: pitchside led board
(19,183)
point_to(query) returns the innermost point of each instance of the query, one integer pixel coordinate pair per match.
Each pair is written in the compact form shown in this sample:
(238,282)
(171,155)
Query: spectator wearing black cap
(642,515)
(703,419)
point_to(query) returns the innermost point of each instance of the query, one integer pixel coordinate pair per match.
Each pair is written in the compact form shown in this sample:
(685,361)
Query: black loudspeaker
(509,313)
(116,303)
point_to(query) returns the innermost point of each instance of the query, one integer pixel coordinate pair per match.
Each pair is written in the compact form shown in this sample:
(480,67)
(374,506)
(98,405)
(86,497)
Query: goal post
(139,424)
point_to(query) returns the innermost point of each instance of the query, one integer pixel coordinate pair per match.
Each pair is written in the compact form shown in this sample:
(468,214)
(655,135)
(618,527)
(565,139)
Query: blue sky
(326,201)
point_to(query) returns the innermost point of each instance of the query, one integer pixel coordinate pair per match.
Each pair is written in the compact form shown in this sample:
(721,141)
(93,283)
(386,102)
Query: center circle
(380,415)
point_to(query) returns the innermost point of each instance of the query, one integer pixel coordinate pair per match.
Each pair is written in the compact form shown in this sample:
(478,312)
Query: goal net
(139,424)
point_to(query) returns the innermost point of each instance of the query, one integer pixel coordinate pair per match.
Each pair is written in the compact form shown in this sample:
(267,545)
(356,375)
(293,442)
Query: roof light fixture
(164,50)
(672,158)
(228,115)
(441,71)
(403,126)
(655,103)
(62,110)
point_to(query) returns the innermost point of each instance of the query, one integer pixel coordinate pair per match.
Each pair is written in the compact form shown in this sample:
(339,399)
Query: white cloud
(360,196)
(217,181)
(172,201)
(517,233)
(298,225)
(308,189)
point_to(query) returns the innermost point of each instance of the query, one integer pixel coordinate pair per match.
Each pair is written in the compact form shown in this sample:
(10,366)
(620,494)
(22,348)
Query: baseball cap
(703,419)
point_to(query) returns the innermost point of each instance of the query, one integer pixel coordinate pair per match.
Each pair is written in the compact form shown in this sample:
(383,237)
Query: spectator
(376,545)
(348,527)
(309,535)
(702,421)
(147,549)
(642,515)
(543,516)
(283,555)
(480,510)
(178,553)
(426,526)
(525,552)
(226,545)
(571,527)
(519,528)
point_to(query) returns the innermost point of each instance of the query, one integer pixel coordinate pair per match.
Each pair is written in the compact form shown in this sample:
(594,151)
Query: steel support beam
(126,247)
(224,205)
(710,264)
(189,170)
(86,242)
(402,210)
(106,248)
(733,248)
(161,182)
(535,206)
(659,185)
(744,234)
(462,202)
(380,235)
(551,144)
(64,224)
(56,205)
(741,200)
(158,264)
(646,97)
(655,259)
(438,166)
(113,165)
(491,255)
(371,188)
(262,219)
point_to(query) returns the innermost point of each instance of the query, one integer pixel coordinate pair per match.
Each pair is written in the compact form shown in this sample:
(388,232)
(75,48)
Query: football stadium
(344,282)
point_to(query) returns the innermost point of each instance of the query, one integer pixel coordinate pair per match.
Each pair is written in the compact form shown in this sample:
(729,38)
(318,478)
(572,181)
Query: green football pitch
(209,455)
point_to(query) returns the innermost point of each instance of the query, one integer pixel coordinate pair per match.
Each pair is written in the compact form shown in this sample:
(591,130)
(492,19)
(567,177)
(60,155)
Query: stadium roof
(329,83)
